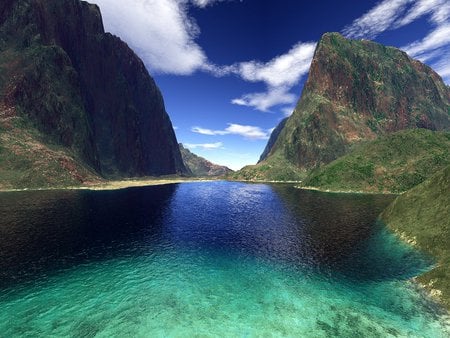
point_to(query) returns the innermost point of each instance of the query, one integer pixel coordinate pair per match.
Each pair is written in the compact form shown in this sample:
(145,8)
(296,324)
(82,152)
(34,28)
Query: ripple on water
(216,259)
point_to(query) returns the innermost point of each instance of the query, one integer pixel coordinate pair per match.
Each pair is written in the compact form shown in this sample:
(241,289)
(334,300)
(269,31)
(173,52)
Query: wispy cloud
(279,74)
(393,14)
(266,100)
(205,3)
(436,39)
(205,146)
(377,20)
(248,132)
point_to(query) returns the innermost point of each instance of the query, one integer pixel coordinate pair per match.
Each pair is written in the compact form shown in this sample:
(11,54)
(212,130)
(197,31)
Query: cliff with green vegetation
(274,169)
(70,86)
(391,163)
(422,217)
(356,91)
(201,167)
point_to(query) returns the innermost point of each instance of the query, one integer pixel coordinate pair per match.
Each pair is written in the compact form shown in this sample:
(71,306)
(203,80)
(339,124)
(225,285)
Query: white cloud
(205,146)
(159,31)
(393,14)
(377,20)
(248,132)
(204,3)
(204,131)
(264,101)
(442,66)
(438,38)
(283,70)
(279,74)
(438,9)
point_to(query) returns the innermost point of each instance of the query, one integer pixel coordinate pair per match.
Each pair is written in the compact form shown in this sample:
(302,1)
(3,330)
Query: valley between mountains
(79,109)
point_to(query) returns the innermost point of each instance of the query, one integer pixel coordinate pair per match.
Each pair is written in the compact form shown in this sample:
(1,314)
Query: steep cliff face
(273,138)
(83,88)
(199,166)
(358,90)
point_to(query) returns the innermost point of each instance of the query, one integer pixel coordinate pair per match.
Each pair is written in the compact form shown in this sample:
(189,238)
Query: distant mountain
(68,84)
(198,166)
(422,216)
(356,91)
(392,163)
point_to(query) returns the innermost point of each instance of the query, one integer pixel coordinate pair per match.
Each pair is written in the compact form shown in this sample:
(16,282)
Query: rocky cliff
(199,166)
(83,89)
(359,90)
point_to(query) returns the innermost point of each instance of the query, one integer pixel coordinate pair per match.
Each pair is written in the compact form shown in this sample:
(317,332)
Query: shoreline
(348,191)
(116,185)
(134,183)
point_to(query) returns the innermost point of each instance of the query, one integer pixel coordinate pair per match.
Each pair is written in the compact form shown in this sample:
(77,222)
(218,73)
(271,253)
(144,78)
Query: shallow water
(207,259)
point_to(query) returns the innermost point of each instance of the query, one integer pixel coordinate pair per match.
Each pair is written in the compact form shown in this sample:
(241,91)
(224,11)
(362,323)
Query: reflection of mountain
(339,231)
(332,223)
(39,230)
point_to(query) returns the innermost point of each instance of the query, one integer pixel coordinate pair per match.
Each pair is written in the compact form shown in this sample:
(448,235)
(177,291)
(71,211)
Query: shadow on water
(334,234)
(342,235)
(42,231)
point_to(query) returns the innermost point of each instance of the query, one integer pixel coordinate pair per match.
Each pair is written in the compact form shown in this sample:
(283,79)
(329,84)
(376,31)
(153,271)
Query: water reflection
(54,229)
(331,233)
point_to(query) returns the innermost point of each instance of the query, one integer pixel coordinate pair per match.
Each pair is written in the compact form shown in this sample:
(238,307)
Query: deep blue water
(207,259)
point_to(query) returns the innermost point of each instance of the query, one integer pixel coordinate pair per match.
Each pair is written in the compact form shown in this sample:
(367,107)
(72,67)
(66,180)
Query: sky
(231,70)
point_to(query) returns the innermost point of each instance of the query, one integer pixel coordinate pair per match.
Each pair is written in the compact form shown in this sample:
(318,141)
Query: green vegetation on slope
(392,163)
(276,168)
(358,90)
(422,216)
(199,166)
(28,160)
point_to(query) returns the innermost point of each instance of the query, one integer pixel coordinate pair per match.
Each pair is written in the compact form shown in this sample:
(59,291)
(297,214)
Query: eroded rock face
(86,89)
(358,90)
(199,166)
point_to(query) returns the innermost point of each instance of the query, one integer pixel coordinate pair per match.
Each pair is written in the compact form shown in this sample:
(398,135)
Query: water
(207,259)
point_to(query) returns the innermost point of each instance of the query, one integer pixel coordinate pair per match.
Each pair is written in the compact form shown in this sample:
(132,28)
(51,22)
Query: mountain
(68,84)
(357,91)
(273,138)
(422,217)
(391,163)
(199,166)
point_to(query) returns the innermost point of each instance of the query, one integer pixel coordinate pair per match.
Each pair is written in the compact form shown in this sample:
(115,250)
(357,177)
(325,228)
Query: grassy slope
(201,167)
(27,160)
(275,168)
(393,163)
(422,216)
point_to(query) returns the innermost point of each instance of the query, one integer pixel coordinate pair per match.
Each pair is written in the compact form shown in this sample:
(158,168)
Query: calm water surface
(207,259)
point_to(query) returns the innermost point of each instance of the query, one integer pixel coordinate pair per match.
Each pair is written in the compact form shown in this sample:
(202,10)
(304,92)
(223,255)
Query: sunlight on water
(236,261)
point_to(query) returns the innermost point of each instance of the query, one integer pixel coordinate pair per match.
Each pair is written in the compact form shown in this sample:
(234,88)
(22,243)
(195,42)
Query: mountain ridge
(199,166)
(358,90)
(83,89)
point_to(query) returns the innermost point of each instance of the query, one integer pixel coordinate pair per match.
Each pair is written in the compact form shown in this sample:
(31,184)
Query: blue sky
(230,70)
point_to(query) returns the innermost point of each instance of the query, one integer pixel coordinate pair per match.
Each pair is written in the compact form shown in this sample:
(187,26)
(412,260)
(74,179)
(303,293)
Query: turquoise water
(207,259)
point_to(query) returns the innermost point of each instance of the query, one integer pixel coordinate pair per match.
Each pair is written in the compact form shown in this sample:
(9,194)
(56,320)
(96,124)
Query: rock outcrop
(356,91)
(199,166)
(84,89)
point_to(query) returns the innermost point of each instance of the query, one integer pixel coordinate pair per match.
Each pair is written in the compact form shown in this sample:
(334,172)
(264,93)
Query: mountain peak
(84,89)
(199,166)
(357,90)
